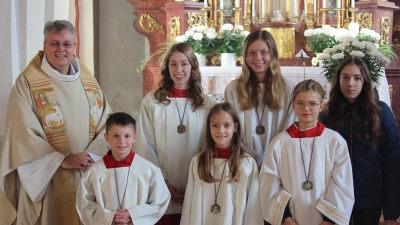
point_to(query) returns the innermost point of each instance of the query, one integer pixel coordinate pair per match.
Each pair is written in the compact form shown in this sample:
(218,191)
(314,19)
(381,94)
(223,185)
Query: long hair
(166,83)
(364,111)
(236,154)
(275,86)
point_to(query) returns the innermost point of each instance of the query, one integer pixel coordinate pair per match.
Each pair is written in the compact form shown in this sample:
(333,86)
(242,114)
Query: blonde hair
(275,86)
(308,85)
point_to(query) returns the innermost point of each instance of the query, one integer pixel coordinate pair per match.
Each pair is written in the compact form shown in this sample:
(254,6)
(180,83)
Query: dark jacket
(376,171)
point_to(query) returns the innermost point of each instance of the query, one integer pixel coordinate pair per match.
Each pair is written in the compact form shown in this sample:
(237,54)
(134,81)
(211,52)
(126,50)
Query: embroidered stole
(54,127)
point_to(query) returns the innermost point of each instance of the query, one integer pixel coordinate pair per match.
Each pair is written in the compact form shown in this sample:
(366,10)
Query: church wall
(121,50)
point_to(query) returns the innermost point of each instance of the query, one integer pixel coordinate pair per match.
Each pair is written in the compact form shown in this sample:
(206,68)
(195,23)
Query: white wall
(121,50)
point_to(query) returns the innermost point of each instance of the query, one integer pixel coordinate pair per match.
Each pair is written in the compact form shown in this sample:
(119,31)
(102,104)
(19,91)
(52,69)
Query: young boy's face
(121,140)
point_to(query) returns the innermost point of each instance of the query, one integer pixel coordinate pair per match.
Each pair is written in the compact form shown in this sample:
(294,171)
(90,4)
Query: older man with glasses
(48,146)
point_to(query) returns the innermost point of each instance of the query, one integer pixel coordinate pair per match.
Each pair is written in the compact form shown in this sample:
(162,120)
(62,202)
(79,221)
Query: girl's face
(222,128)
(351,82)
(121,139)
(179,70)
(307,105)
(258,57)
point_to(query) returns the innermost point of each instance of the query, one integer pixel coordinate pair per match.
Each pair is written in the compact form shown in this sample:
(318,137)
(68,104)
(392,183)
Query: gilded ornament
(396,27)
(194,19)
(175,27)
(385,29)
(364,19)
(285,40)
(150,24)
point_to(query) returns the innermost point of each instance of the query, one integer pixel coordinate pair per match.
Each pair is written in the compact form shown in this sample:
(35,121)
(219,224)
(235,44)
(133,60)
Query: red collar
(178,93)
(110,162)
(222,153)
(316,131)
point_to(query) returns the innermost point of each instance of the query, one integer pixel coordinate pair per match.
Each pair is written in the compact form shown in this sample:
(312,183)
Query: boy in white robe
(122,188)
(306,174)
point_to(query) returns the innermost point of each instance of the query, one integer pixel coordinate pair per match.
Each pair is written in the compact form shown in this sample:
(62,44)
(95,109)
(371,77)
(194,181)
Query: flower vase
(321,62)
(228,59)
(201,59)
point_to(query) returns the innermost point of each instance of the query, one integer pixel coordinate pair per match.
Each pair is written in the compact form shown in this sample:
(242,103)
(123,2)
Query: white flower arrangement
(231,40)
(202,41)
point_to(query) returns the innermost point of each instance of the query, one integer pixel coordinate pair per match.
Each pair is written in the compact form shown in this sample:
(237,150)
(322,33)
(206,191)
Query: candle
(205,4)
(237,4)
(324,4)
(253,9)
(338,4)
(305,7)
(221,4)
(353,4)
(315,7)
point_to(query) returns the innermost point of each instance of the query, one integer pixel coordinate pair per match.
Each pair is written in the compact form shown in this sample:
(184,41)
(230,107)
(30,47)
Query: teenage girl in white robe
(178,103)
(260,95)
(223,184)
(306,175)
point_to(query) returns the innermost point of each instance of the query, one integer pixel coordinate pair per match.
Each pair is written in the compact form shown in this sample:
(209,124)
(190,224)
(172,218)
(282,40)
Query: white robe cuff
(331,212)
(36,174)
(278,206)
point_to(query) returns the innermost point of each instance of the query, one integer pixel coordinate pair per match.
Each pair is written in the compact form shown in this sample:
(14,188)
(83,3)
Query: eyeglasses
(66,45)
(301,105)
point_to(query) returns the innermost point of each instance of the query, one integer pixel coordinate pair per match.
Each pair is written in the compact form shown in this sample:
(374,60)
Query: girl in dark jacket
(372,136)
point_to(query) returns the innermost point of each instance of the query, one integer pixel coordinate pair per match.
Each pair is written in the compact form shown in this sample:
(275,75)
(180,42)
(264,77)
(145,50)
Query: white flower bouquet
(202,41)
(231,40)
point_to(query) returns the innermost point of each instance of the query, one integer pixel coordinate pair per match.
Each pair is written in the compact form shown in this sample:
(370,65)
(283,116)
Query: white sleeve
(95,157)
(35,175)
(145,145)
(273,197)
(187,203)
(338,203)
(253,214)
(90,212)
(157,202)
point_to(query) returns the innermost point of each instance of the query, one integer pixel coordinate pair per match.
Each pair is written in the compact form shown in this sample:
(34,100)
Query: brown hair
(166,83)
(365,110)
(120,119)
(275,86)
(308,85)
(236,154)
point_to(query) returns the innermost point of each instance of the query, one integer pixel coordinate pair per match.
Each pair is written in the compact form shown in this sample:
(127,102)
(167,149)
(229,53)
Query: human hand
(390,222)
(289,221)
(176,195)
(122,217)
(81,161)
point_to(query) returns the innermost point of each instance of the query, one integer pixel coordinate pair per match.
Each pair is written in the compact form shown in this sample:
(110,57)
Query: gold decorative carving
(194,19)
(150,24)
(396,27)
(364,19)
(385,29)
(175,27)
(285,41)
(390,92)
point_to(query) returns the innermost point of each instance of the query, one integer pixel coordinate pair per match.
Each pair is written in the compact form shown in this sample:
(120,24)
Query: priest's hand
(289,221)
(80,161)
(176,195)
(390,222)
(122,217)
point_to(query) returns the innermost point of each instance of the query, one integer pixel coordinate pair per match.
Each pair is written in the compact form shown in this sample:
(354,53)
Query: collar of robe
(178,93)
(222,153)
(111,162)
(295,132)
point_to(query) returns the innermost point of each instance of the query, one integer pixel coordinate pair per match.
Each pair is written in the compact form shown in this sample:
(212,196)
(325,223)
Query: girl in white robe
(306,174)
(171,124)
(122,188)
(223,184)
(260,95)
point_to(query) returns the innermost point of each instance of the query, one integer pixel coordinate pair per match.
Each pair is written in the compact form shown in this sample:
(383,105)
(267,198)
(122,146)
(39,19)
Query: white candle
(338,6)
(205,4)
(253,8)
(221,4)
(237,4)
(324,4)
(315,7)
(353,4)
(305,7)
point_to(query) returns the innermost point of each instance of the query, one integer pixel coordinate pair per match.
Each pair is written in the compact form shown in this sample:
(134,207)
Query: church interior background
(115,36)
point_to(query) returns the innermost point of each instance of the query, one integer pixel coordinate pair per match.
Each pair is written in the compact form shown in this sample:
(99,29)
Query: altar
(215,79)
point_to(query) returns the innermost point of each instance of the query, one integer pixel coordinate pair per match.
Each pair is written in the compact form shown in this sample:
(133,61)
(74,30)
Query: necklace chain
(179,114)
(126,185)
(262,115)
(215,188)
(302,157)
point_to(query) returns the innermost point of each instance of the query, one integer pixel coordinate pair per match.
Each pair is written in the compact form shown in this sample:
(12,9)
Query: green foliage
(230,42)
(204,46)
(317,43)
